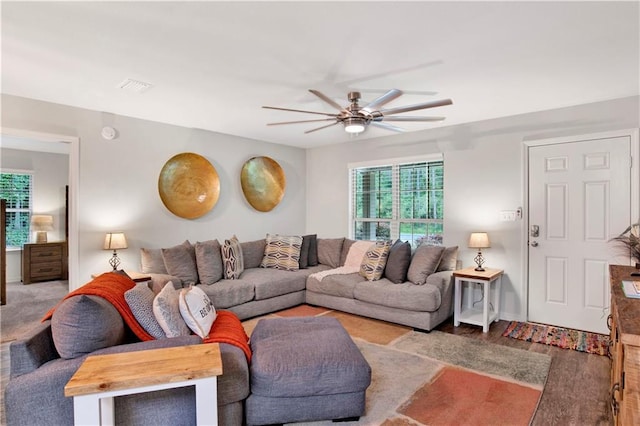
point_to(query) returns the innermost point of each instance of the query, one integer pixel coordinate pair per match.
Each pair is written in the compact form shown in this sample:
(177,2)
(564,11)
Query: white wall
(50,175)
(118,188)
(483,175)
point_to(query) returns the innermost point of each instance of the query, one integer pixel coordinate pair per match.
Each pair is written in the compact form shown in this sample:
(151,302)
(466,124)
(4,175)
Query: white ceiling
(214,64)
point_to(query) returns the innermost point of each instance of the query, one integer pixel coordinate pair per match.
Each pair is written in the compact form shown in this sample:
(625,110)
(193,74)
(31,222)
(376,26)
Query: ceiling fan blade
(327,100)
(387,126)
(300,121)
(407,118)
(323,127)
(300,110)
(414,107)
(382,100)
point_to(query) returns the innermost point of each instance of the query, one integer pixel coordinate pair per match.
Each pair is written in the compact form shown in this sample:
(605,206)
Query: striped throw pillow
(282,252)
(232,259)
(374,261)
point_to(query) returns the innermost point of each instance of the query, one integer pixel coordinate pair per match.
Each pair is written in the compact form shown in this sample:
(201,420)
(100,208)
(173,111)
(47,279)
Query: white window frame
(395,163)
(30,209)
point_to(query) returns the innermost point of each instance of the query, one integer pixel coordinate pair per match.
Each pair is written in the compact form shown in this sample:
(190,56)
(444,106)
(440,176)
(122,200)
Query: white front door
(579,198)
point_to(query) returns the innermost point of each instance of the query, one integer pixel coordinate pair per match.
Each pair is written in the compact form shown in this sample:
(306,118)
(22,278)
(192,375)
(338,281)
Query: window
(16,189)
(399,200)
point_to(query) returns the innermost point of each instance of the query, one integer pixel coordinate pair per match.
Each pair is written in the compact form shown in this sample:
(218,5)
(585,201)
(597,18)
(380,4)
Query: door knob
(534,244)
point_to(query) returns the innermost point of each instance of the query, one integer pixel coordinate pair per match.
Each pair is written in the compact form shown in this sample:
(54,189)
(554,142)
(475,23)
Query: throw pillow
(83,324)
(180,261)
(197,310)
(398,262)
(424,263)
(282,252)
(232,260)
(313,250)
(140,301)
(449,259)
(329,251)
(209,261)
(375,260)
(151,261)
(357,250)
(305,249)
(252,253)
(166,308)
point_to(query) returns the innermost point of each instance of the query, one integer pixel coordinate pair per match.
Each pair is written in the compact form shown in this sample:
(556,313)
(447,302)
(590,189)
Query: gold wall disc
(263,183)
(189,185)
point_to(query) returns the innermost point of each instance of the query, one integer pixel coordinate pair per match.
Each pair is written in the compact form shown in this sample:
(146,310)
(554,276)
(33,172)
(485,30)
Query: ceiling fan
(356,118)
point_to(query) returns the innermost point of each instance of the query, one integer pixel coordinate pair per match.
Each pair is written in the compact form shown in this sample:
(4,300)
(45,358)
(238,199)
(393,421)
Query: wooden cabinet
(624,322)
(44,262)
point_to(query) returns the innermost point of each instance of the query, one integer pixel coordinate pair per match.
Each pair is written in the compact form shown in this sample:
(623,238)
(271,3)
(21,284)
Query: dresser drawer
(44,270)
(44,262)
(46,254)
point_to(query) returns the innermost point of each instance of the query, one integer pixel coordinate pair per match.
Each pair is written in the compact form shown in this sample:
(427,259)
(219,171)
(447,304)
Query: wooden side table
(472,315)
(100,378)
(138,277)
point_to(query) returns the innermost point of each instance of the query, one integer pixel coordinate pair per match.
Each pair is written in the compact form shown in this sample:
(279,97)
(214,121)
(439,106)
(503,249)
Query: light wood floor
(577,389)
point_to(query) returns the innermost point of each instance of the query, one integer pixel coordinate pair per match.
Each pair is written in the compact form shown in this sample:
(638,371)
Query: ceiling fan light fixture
(354,125)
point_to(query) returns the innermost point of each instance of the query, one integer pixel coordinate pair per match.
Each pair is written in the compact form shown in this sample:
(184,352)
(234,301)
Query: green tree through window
(16,189)
(403,200)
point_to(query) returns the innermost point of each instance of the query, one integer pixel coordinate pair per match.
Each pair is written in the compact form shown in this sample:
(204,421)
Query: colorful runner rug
(565,338)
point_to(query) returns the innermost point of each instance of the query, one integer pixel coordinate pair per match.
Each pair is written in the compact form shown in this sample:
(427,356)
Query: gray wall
(483,175)
(118,188)
(50,175)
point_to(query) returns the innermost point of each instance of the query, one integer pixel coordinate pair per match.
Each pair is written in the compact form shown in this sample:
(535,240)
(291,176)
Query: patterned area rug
(438,378)
(565,338)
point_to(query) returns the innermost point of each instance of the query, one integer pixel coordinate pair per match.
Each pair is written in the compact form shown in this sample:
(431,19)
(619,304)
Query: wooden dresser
(625,349)
(44,262)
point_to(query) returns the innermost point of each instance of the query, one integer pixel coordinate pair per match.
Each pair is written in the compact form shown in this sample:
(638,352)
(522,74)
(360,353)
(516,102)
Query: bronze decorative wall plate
(263,183)
(189,185)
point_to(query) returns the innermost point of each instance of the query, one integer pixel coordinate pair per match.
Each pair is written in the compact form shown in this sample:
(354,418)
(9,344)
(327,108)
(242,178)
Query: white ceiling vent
(135,86)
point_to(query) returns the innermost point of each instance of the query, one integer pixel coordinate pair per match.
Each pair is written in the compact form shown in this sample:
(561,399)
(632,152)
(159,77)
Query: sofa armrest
(32,350)
(158,281)
(444,281)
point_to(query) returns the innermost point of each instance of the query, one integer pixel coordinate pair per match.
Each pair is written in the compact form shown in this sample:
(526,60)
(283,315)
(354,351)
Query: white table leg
(486,288)
(207,401)
(497,304)
(86,410)
(457,303)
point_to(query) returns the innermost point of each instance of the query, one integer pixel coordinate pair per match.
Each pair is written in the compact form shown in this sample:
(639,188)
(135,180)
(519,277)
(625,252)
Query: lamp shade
(115,241)
(479,240)
(41,222)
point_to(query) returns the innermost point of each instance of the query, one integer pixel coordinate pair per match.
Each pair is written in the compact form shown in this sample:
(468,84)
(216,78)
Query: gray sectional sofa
(34,394)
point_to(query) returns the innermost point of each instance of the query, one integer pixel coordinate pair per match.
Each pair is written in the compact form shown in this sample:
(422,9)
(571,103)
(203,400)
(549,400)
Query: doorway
(580,194)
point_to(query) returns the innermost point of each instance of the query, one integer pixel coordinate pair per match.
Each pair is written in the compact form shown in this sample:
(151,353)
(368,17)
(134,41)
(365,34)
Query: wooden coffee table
(100,378)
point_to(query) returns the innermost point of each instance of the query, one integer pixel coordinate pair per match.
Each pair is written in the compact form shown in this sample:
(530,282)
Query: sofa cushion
(270,283)
(329,251)
(341,285)
(232,259)
(180,261)
(374,261)
(151,261)
(282,252)
(309,243)
(166,308)
(449,259)
(82,324)
(197,310)
(228,293)
(253,252)
(419,298)
(140,301)
(398,262)
(425,261)
(209,261)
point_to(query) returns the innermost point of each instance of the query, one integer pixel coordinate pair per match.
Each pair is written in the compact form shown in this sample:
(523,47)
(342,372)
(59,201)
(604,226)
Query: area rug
(565,338)
(438,378)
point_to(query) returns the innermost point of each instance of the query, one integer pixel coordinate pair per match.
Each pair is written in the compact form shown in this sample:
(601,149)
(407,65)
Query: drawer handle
(45,269)
(614,402)
(609,320)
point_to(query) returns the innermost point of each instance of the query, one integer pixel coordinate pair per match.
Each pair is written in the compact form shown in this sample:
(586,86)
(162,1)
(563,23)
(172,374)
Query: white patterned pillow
(197,310)
(374,261)
(232,259)
(166,308)
(140,301)
(282,252)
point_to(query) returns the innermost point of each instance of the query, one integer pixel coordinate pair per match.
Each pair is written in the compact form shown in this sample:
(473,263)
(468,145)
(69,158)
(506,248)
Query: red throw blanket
(227,328)
(111,287)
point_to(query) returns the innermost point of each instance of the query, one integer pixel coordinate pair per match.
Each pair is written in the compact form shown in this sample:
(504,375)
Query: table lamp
(115,241)
(479,240)
(41,223)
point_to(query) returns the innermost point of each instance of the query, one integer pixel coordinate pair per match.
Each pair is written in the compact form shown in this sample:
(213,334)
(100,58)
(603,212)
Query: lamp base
(114,261)
(41,237)
(480,269)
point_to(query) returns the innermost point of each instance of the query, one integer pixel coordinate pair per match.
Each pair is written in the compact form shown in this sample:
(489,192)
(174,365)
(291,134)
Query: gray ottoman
(305,369)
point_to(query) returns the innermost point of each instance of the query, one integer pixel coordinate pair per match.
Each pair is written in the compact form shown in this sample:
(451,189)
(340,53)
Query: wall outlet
(508,216)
